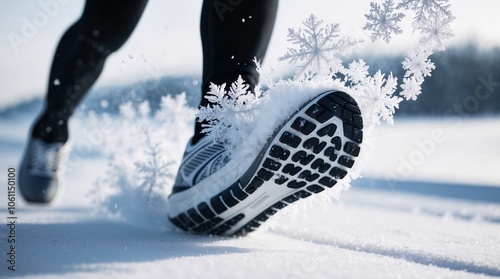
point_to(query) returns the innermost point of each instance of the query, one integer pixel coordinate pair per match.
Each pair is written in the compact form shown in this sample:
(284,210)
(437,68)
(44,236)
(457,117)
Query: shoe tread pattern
(308,156)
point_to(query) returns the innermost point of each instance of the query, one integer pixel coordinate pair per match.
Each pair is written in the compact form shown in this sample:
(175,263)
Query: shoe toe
(37,189)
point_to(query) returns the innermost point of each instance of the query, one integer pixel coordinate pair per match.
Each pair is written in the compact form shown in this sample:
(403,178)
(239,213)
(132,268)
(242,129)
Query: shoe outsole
(310,152)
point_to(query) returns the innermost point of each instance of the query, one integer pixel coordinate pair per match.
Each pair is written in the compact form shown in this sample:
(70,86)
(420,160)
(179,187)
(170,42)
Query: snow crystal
(436,32)
(143,158)
(383,21)
(318,46)
(230,113)
(377,95)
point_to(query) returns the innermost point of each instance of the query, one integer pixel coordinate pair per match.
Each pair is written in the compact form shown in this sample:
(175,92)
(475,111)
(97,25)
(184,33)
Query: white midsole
(208,188)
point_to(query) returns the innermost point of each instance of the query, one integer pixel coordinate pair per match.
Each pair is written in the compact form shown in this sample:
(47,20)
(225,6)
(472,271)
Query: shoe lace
(44,157)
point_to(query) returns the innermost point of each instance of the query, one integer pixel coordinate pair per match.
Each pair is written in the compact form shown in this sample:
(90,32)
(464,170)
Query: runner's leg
(232,34)
(79,59)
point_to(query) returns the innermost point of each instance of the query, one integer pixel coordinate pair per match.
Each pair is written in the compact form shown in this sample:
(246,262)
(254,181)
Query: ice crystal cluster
(431,21)
(317,51)
(143,150)
(244,120)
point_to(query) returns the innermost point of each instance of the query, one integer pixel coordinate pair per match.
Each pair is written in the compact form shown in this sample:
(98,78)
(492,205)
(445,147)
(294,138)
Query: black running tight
(233,32)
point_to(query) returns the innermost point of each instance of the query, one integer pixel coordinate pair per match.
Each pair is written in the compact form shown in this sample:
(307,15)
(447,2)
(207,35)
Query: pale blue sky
(167,39)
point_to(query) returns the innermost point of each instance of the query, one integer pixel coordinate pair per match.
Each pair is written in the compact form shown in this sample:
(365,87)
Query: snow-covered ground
(428,206)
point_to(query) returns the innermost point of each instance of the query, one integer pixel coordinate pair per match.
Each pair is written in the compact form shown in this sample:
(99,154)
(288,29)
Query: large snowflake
(418,64)
(425,9)
(383,21)
(376,94)
(319,47)
(436,31)
(377,97)
(238,105)
(154,172)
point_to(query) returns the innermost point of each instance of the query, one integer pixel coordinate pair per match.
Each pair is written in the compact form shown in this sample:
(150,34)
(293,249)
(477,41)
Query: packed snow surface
(439,218)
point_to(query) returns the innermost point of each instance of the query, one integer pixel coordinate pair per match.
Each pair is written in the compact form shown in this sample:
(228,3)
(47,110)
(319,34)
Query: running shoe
(39,171)
(311,151)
